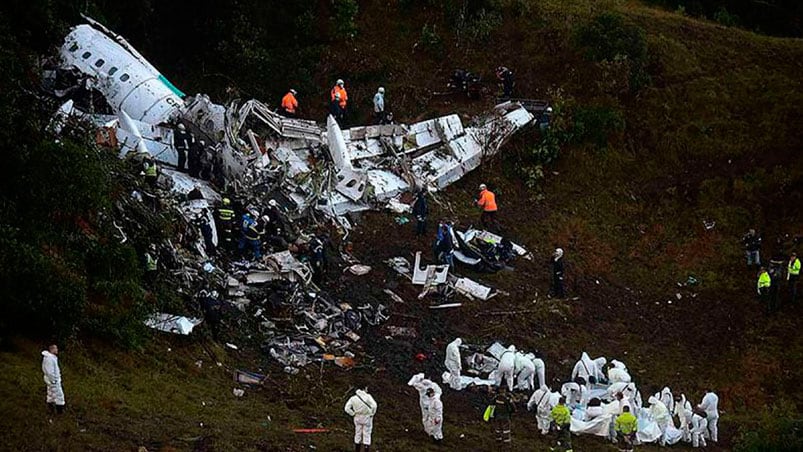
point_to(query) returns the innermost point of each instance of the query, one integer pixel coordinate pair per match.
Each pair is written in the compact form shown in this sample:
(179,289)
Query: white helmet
(483,186)
(558,253)
(381,90)
(340,82)
(272,203)
(181,126)
(254,213)
(549,109)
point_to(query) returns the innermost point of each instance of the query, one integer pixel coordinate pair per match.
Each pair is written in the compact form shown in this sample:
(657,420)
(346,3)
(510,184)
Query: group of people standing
(780,271)
(339,104)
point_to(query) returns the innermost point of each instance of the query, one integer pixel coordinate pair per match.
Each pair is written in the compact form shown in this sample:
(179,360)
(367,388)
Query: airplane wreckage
(312,171)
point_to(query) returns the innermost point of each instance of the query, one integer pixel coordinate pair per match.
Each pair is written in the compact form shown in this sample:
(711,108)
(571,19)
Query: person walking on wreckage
(487,202)
(420,211)
(362,408)
(250,234)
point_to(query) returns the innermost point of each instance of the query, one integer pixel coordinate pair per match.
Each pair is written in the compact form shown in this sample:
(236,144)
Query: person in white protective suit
(524,368)
(629,390)
(543,400)
(433,415)
(699,428)
(453,363)
(599,368)
(666,397)
(660,414)
(575,392)
(507,367)
(710,405)
(422,384)
(362,407)
(617,372)
(683,412)
(540,370)
(585,367)
(52,377)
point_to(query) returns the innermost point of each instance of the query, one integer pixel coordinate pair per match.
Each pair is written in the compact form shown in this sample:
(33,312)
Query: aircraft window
(86,55)
(112,70)
(124,77)
(100,63)
(74,47)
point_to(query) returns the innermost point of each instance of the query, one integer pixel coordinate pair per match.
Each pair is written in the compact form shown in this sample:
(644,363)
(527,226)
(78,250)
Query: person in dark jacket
(505,77)
(557,274)
(182,140)
(420,210)
(444,247)
(502,412)
(752,248)
(195,158)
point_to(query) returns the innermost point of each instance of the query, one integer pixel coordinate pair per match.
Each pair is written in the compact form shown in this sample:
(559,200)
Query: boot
(51,407)
(367,448)
(357,447)
(60,409)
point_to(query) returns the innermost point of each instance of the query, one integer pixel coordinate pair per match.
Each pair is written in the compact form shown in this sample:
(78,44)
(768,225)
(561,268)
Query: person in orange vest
(289,104)
(487,202)
(340,96)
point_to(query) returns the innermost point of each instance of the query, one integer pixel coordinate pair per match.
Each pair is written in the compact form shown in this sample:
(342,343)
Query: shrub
(345,17)
(430,39)
(608,38)
(596,125)
(779,428)
(723,17)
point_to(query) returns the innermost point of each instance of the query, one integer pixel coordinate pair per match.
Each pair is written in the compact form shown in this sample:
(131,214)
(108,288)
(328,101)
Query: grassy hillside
(714,135)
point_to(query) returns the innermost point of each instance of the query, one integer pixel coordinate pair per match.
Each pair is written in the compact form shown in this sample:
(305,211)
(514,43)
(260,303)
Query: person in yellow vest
(290,104)
(763,289)
(151,264)
(150,171)
(224,219)
(792,275)
(626,426)
(561,423)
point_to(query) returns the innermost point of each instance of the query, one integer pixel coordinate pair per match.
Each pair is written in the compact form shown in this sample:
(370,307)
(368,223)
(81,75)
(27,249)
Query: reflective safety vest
(225,214)
(764,280)
(626,423)
(289,102)
(561,415)
(794,267)
(487,201)
(344,97)
(151,169)
(150,263)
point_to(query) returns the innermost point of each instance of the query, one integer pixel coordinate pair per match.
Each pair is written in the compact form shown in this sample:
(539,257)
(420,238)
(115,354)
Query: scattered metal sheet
(473,289)
(435,273)
(171,323)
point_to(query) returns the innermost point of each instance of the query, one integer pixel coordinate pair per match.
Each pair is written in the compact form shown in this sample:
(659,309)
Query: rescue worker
(150,170)
(195,158)
(420,210)
(752,248)
(224,216)
(317,258)
(507,367)
(557,290)
(433,417)
(379,106)
(487,202)
(52,377)
(684,413)
(710,404)
(362,407)
(335,110)
(503,409)
(453,363)
(561,423)
(626,426)
(205,226)
(290,104)
(250,234)
(540,369)
(505,77)
(660,414)
(792,275)
(763,289)
(182,140)
(699,427)
(444,246)
(339,93)
(151,264)
(211,307)
(543,399)
(544,120)
(524,368)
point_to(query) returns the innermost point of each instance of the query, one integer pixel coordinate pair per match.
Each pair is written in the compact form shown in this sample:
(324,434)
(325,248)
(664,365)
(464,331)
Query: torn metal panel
(170,323)
(473,289)
(496,239)
(435,273)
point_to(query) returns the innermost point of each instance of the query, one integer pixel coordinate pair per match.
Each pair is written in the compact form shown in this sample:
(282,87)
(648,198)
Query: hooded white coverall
(433,416)
(543,400)
(453,363)
(525,369)
(362,407)
(667,398)
(52,377)
(683,412)
(699,428)
(422,384)
(575,394)
(710,404)
(507,366)
(585,367)
(660,415)
(540,370)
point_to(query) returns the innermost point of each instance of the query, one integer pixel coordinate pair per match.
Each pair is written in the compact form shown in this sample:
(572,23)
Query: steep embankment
(714,136)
